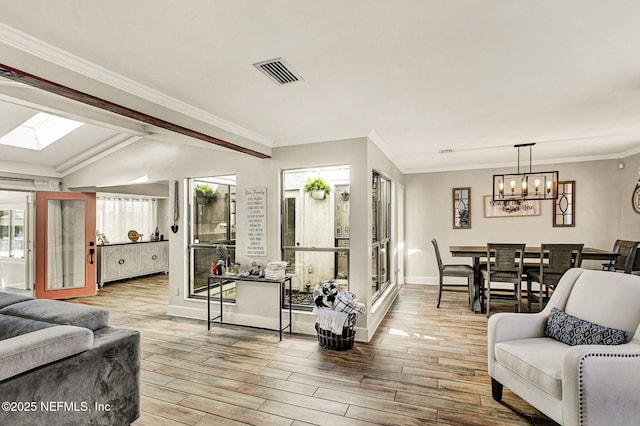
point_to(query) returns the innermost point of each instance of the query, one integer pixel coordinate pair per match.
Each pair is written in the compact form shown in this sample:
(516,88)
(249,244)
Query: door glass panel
(66,244)
(12,233)
(5,231)
(17,234)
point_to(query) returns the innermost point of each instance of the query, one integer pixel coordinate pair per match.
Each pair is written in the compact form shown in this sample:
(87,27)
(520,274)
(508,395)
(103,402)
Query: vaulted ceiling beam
(70,93)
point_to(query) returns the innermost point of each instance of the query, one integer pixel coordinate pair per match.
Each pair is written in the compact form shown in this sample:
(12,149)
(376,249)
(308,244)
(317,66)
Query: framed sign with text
(256,211)
(511,208)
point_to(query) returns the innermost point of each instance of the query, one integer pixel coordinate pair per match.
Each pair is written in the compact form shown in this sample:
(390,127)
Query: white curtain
(116,216)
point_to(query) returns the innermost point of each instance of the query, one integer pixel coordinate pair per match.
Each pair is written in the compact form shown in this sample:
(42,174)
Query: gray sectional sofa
(61,363)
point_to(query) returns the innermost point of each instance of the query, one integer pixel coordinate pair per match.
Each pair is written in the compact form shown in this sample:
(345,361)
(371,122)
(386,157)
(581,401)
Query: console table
(239,279)
(117,261)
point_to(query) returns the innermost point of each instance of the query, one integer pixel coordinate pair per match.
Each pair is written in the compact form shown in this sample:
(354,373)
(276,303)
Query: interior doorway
(16,242)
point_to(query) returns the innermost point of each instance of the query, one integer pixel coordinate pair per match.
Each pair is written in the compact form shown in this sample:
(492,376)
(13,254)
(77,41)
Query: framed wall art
(461,208)
(511,208)
(564,208)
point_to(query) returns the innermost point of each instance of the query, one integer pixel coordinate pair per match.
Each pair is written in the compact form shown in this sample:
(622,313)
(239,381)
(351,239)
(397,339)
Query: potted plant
(318,188)
(205,193)
(222,253)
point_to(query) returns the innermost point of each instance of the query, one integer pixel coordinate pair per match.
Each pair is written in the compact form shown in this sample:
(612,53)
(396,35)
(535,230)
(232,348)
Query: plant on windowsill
(318,188)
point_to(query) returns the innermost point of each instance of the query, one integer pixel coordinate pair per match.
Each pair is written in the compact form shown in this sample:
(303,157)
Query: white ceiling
(417,76)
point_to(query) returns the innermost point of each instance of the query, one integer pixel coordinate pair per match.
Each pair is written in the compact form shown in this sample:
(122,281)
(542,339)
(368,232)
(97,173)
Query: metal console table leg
(281,287)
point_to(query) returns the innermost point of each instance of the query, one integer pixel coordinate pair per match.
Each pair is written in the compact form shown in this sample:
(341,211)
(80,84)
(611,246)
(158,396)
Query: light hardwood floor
(425,366)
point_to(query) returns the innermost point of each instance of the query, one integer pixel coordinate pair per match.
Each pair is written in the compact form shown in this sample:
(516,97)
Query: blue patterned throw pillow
(575,331)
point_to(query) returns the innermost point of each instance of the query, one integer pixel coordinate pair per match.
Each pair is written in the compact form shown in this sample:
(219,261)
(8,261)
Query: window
(212,233)
(12,233)
(40,131)
(380,234)
(117,215)
(315,231)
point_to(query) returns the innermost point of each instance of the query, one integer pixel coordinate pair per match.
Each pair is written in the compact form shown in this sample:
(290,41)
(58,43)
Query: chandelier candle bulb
(537,185)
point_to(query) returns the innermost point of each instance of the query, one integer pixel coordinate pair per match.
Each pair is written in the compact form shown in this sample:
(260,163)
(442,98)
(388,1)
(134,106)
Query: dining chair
(505,264)
(555,260)
(635,265)
(452,270)
(626,259)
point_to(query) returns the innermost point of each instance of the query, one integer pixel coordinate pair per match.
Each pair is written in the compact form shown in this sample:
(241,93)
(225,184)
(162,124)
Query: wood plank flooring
(425,366)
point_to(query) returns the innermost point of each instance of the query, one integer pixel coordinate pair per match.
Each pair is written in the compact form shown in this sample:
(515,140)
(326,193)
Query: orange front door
(65,245)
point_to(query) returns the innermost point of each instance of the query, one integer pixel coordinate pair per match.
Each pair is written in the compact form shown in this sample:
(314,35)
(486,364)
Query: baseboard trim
(421,280)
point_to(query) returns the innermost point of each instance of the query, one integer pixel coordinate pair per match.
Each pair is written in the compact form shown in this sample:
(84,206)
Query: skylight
(40,131)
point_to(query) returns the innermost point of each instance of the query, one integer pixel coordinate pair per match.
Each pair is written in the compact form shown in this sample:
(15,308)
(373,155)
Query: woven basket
(337,342)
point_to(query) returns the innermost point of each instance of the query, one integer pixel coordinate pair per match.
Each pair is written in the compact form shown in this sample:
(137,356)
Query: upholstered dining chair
(627,254)
(452,270)
(505,264)
(555,260)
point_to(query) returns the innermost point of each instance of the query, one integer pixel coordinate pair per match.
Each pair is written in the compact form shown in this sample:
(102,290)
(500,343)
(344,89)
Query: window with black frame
(315,230)
(380,234)
(212,233)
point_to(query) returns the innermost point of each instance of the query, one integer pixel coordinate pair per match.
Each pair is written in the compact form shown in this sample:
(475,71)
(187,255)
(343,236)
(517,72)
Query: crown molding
(632,151)
(566,160)
(384,147)
(42,50)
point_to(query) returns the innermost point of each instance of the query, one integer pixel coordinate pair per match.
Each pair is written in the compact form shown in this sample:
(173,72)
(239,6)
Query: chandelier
(527,185)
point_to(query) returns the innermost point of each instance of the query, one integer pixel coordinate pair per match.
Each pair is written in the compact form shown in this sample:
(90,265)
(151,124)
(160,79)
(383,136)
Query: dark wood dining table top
(588,253)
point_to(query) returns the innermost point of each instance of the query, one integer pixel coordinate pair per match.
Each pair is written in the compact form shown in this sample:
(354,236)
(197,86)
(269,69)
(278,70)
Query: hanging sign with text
(256,199)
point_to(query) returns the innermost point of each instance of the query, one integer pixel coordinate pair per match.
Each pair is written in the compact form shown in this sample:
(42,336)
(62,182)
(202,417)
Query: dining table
(531,252)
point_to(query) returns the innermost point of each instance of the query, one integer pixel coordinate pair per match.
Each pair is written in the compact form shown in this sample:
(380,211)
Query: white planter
(318,194)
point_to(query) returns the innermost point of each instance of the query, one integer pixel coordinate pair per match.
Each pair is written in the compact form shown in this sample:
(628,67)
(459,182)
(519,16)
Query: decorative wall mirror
(564,207)
(461,208)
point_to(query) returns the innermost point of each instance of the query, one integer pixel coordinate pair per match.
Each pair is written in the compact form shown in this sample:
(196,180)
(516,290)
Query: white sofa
(573,385)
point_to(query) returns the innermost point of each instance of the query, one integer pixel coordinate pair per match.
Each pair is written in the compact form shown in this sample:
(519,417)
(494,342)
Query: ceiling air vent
(278,71)
(446,151)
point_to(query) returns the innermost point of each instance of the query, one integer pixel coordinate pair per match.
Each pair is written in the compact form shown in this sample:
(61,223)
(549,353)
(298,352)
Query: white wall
(603,213)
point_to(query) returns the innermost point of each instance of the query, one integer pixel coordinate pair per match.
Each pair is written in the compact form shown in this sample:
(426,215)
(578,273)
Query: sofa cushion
(62,313)
(11,326)
(575,331)
(7,298)
(28,351)
(537,360)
